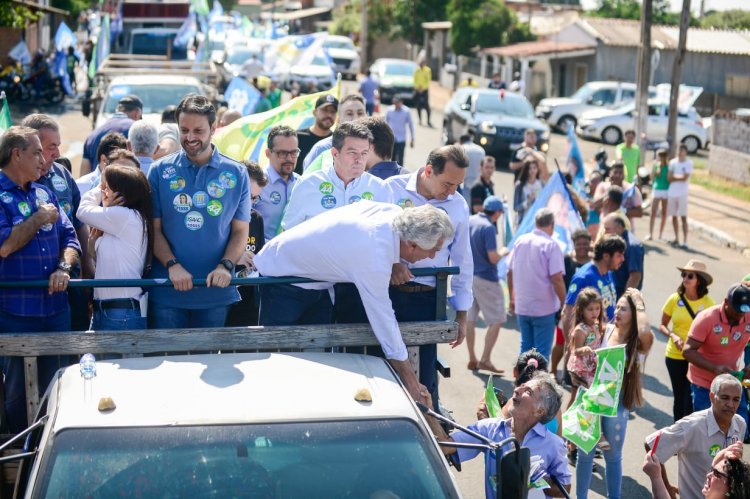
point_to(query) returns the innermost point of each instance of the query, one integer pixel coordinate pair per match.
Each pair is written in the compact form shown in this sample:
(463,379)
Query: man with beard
(203,237)
(351,107)
(282,153)
(325,111)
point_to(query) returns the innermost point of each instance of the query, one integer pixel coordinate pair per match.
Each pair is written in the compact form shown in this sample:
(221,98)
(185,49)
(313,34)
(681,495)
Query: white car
(314,77)
(558,111)
(344,54)
(234,425)
(610,126)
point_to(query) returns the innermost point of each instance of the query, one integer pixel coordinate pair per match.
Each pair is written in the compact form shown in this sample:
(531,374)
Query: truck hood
(501,120)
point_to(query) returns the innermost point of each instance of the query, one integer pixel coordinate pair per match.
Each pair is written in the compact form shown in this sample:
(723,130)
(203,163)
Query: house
(36,34)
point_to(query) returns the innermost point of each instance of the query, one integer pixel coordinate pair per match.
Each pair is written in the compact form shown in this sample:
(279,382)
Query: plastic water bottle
(88,373)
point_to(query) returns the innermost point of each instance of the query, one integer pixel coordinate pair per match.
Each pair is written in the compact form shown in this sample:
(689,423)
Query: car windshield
(155,97)
(336,459)
(491,103)
(152,43)
(395,69)
(582,93)
(240,56)
(339,44)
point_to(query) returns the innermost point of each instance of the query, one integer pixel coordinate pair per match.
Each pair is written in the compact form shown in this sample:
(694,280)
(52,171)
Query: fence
(248,338)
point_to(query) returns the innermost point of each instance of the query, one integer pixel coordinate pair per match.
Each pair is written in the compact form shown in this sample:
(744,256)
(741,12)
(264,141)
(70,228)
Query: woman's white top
(121,251)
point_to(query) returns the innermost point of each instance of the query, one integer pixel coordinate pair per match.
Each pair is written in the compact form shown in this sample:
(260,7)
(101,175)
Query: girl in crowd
(527,188)
(586,337)
(680,309)
(630,328)
(661,184)
(121,219)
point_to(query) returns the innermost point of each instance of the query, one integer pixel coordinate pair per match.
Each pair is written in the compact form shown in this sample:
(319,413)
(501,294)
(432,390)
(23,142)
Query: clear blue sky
(694,4)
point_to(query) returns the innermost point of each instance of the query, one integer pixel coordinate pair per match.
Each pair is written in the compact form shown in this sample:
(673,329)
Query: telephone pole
(643,76)
(674,92)
(363,38)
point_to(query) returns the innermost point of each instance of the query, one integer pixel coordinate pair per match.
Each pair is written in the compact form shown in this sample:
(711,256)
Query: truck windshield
(335,459)
(156,44)
(155,97)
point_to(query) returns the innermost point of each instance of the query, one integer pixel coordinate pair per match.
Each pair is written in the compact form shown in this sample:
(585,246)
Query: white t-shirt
(679,188)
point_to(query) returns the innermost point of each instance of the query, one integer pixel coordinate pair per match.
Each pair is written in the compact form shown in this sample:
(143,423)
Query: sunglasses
(718,474)
(689,275)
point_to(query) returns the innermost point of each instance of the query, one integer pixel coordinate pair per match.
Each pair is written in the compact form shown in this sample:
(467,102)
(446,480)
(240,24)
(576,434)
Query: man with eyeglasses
(346,183)
(698,437)
(282,153)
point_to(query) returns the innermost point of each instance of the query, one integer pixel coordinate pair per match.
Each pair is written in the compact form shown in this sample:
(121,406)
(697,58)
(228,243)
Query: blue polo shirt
(196,205)
(589,275)
(61,183)
(119,122)
(634,254)
(483,238)
(273,200)
(39,257)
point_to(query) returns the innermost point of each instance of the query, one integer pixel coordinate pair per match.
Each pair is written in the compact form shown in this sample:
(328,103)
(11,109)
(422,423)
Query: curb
(718,237)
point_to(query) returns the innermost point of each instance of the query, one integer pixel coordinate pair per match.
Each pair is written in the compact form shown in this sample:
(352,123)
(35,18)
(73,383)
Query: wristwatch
(172,262)
(228,264)
(65,267)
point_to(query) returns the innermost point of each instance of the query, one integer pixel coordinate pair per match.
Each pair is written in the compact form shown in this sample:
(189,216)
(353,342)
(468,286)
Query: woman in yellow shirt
(680,309)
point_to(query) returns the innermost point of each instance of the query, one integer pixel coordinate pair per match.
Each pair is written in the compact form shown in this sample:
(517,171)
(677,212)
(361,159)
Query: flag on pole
(5,120)
(200,7)
(575,162)
(241,96)
(490,399)
(246,137)
(603,396)
(64,37)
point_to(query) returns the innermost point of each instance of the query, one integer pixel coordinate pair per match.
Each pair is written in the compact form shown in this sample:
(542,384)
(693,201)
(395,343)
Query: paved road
(462,391)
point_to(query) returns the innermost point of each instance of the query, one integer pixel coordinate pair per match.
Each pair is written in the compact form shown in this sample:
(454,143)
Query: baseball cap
(130,103)
(493,204)
(327,100)
(739,298)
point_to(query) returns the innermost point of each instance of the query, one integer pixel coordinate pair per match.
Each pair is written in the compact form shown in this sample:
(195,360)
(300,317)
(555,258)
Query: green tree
(408,16)
(73,6)
(618,9)
(16,16)
(728,19)
(484,23)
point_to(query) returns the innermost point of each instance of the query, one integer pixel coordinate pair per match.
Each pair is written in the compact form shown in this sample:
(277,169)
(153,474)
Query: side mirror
(513,472)
(465,106)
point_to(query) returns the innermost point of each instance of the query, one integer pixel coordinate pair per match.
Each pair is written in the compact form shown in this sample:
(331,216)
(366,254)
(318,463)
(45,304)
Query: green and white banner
(490,400)
(604,394)
(582,428)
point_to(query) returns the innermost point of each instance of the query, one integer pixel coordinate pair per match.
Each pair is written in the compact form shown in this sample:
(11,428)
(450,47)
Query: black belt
(415,288)
(117,303)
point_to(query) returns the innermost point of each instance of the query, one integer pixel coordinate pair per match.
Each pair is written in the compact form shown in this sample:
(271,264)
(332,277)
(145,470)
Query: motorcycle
(12,85)
(52,90)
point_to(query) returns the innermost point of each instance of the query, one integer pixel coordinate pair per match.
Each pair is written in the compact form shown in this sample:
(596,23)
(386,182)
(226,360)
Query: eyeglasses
(689,275)
(286,154)
(718,474)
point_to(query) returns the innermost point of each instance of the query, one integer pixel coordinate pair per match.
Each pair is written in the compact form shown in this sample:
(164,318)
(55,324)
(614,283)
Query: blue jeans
(537,332)
(369,108)
(287,304)
(614,431)
(164,317)
(701,401)
(117,319)
(15,384)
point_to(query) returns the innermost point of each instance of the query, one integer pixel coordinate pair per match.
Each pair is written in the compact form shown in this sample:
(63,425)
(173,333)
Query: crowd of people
(336,205)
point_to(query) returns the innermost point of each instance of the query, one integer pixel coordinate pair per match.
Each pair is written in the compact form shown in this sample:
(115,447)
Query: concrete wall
(730,151)
(729,164)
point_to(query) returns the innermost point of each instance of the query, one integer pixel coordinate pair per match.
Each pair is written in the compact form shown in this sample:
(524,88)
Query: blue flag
(575,163)
(60,69)
(187,31)
(241,96)
(64,37)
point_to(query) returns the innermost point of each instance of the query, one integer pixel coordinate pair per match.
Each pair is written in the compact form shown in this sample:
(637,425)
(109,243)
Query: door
(657,122)
(582,71)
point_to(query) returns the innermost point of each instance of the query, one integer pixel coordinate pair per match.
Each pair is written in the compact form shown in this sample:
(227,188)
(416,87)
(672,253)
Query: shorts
(677,206)
(489,299)
(659,194)
(559,336)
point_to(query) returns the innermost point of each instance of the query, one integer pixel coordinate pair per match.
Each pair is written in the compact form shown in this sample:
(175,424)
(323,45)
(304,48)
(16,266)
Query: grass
(718,184)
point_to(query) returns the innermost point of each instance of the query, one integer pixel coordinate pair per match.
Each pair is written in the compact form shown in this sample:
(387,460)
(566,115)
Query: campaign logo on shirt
(168,172)
(215,190)
(214,208)
(328,202)
(326,187)
(47,227)
(573,287)
(200,199)
(275,197)
(67,208)
(405,203)
(354,199)
(41,195)
(182,203)
(680,303)
(227,179)
(367,195)
(23,207)
(177,184)
(737,335)
(718,328)
(59,183)
(713,450)
(194,220)
(6,197)
(724,341)
(747,328)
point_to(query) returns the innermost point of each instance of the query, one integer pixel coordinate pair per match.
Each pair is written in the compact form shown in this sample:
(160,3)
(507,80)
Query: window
(603,97)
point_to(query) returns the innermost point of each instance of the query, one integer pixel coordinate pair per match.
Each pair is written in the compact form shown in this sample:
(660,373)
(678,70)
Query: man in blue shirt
(398,117)
(282,154)
(201,221)
(630,273)
(129,110)
(37,241)
(379,161)
(367,87)
(488,296)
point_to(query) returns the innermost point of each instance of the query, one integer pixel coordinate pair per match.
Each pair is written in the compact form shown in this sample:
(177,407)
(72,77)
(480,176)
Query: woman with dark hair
(680,309)
(629,328)
(120,215)
(528,186)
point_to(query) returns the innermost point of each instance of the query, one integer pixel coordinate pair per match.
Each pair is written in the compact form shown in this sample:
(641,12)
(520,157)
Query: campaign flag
(490,399)
(214,18)
(60,69)
(64,37)
(20,52)
(187,31)
(575,162)
(582,428)
(200,7)
(246,137)
(603,396)
(241,96)
(5,119)
(116,24)
(103,42)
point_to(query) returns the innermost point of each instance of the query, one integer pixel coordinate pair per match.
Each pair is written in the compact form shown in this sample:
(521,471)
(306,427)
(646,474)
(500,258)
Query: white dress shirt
(457,252)
(356,244)
(89,181)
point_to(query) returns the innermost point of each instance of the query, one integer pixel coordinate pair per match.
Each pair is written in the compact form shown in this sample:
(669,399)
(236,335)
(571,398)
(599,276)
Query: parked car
(156,41)
(558,111)
(283,425)
(314,77)
(344,54)
(497,120)
(238,55)
(394,76)
(610,125)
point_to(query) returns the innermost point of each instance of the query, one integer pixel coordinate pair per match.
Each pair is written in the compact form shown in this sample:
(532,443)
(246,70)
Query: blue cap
(493,204)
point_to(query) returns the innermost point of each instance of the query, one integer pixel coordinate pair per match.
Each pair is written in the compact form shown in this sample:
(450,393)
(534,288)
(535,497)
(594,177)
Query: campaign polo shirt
(589,275)
(38,258)
(196,206)
(61,183)
(323,190)
(273,199)
(456,252)
(634,256)
(722,343)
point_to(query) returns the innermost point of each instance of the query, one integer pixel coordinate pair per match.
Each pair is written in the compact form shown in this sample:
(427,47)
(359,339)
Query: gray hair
(143,138)
(39,121)
(550,395)
(424,225)
(544,218)
(724,379)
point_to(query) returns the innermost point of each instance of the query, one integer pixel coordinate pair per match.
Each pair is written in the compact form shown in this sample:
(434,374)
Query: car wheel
(446,135)
(566,121)
(612,135)
(692,143)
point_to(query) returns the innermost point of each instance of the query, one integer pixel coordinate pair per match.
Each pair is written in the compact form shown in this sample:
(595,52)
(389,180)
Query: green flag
(582,428)
(603,396)
(5,119)
(490,400)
